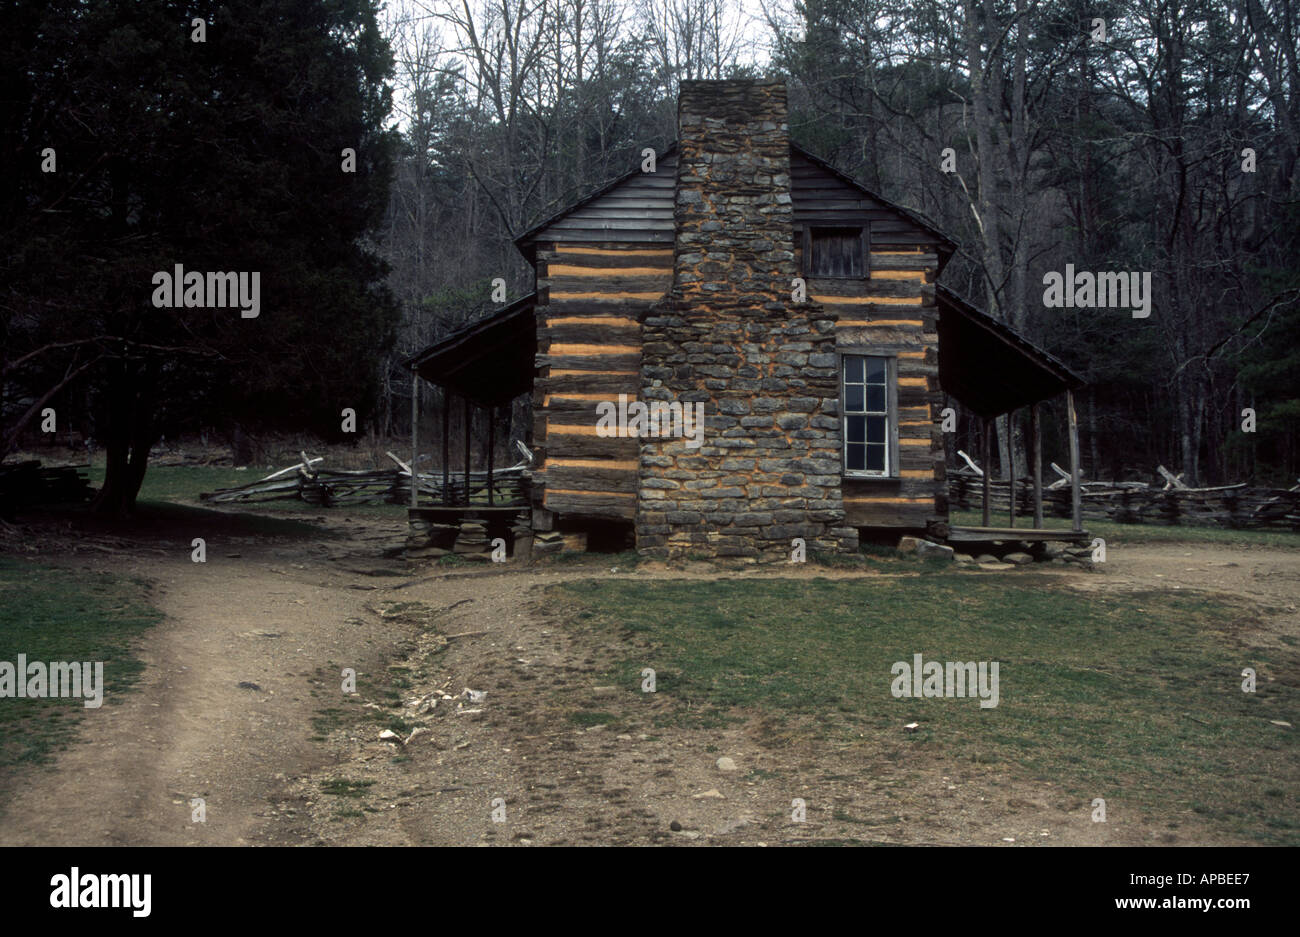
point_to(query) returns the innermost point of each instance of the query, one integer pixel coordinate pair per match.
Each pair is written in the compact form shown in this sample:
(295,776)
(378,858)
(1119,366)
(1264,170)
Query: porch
(992,371)
(457,509)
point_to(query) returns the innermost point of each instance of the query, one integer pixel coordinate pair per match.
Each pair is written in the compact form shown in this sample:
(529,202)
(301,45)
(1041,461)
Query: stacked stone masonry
(729,335)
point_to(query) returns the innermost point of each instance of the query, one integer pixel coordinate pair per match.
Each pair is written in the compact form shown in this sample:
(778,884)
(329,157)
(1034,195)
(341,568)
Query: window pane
(866,414)
(875,429)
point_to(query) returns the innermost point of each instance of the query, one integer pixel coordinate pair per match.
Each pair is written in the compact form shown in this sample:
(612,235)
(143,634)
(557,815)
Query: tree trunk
(241,446)
(130,435)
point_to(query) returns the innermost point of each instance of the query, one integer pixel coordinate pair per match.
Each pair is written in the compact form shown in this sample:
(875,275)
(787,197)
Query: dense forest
(1120,135)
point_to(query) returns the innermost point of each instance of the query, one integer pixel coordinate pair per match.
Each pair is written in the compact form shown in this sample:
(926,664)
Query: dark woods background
(473,121)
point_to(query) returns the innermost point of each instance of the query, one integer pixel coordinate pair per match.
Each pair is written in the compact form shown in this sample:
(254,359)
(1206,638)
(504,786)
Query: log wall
(893,312)
(591,296)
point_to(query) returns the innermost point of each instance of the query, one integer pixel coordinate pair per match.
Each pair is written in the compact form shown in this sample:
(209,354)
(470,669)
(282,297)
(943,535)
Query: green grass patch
(52,614)
(1132,697)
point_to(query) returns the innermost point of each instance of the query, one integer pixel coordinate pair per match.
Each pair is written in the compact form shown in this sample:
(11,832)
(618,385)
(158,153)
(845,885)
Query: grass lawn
(1112,532)
(1134,698)
(51,615)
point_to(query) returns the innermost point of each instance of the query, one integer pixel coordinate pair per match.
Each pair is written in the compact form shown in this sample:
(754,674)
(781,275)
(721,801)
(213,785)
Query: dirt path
(190,730)
(286,618)
(1268,579)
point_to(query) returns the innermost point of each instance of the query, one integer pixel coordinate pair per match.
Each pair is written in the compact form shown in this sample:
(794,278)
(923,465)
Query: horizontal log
(628,286)
(909,396)
(565,477)
(657,259)
(574,409)
(860,292)
(592,382)
(917,459)
(594,235)
(909,335)
(568,445)
(585,334)
(877,514)
(590,362)
(603,306)
(912,261)
(916,368)
(625,229)
(591,504)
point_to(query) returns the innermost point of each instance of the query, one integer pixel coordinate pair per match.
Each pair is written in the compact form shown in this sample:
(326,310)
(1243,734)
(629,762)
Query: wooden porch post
(984,431)
(446,447)
(1011,463)
(1076,500)
(1036,444)
(469,415)
(492,434)
(415,435)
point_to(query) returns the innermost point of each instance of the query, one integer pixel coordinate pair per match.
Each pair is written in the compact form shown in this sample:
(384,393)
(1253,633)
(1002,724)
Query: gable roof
(524,242)
(910,215)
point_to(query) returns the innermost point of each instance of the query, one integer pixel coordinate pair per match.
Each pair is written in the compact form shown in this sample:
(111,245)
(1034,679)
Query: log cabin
(738,271)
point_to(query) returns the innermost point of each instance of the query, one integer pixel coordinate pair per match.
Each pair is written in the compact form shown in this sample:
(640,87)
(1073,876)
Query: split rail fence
(329,487)
(1237,506)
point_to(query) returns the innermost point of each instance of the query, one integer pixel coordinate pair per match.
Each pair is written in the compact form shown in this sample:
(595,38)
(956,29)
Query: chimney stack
(734,241)
(729,336)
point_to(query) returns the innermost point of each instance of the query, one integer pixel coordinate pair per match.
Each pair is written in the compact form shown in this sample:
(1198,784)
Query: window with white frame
(868,406)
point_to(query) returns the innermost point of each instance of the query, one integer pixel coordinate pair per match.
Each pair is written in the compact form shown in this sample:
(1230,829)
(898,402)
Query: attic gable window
(870,416)
(835,252)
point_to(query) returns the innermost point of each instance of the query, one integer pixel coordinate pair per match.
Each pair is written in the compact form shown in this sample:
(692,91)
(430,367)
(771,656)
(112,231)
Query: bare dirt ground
(247,665)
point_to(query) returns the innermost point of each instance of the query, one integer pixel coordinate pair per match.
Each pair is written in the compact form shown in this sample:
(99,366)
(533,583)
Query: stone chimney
(729,335)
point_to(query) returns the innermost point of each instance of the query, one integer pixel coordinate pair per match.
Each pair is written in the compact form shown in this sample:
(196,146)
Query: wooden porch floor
(989,534)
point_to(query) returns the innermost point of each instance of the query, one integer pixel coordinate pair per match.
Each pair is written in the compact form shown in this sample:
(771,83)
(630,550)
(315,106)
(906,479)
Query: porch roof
(491,361)
(988,366)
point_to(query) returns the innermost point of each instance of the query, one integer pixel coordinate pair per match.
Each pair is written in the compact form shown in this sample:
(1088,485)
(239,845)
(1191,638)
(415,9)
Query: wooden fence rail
(1238,506)
(329,488)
